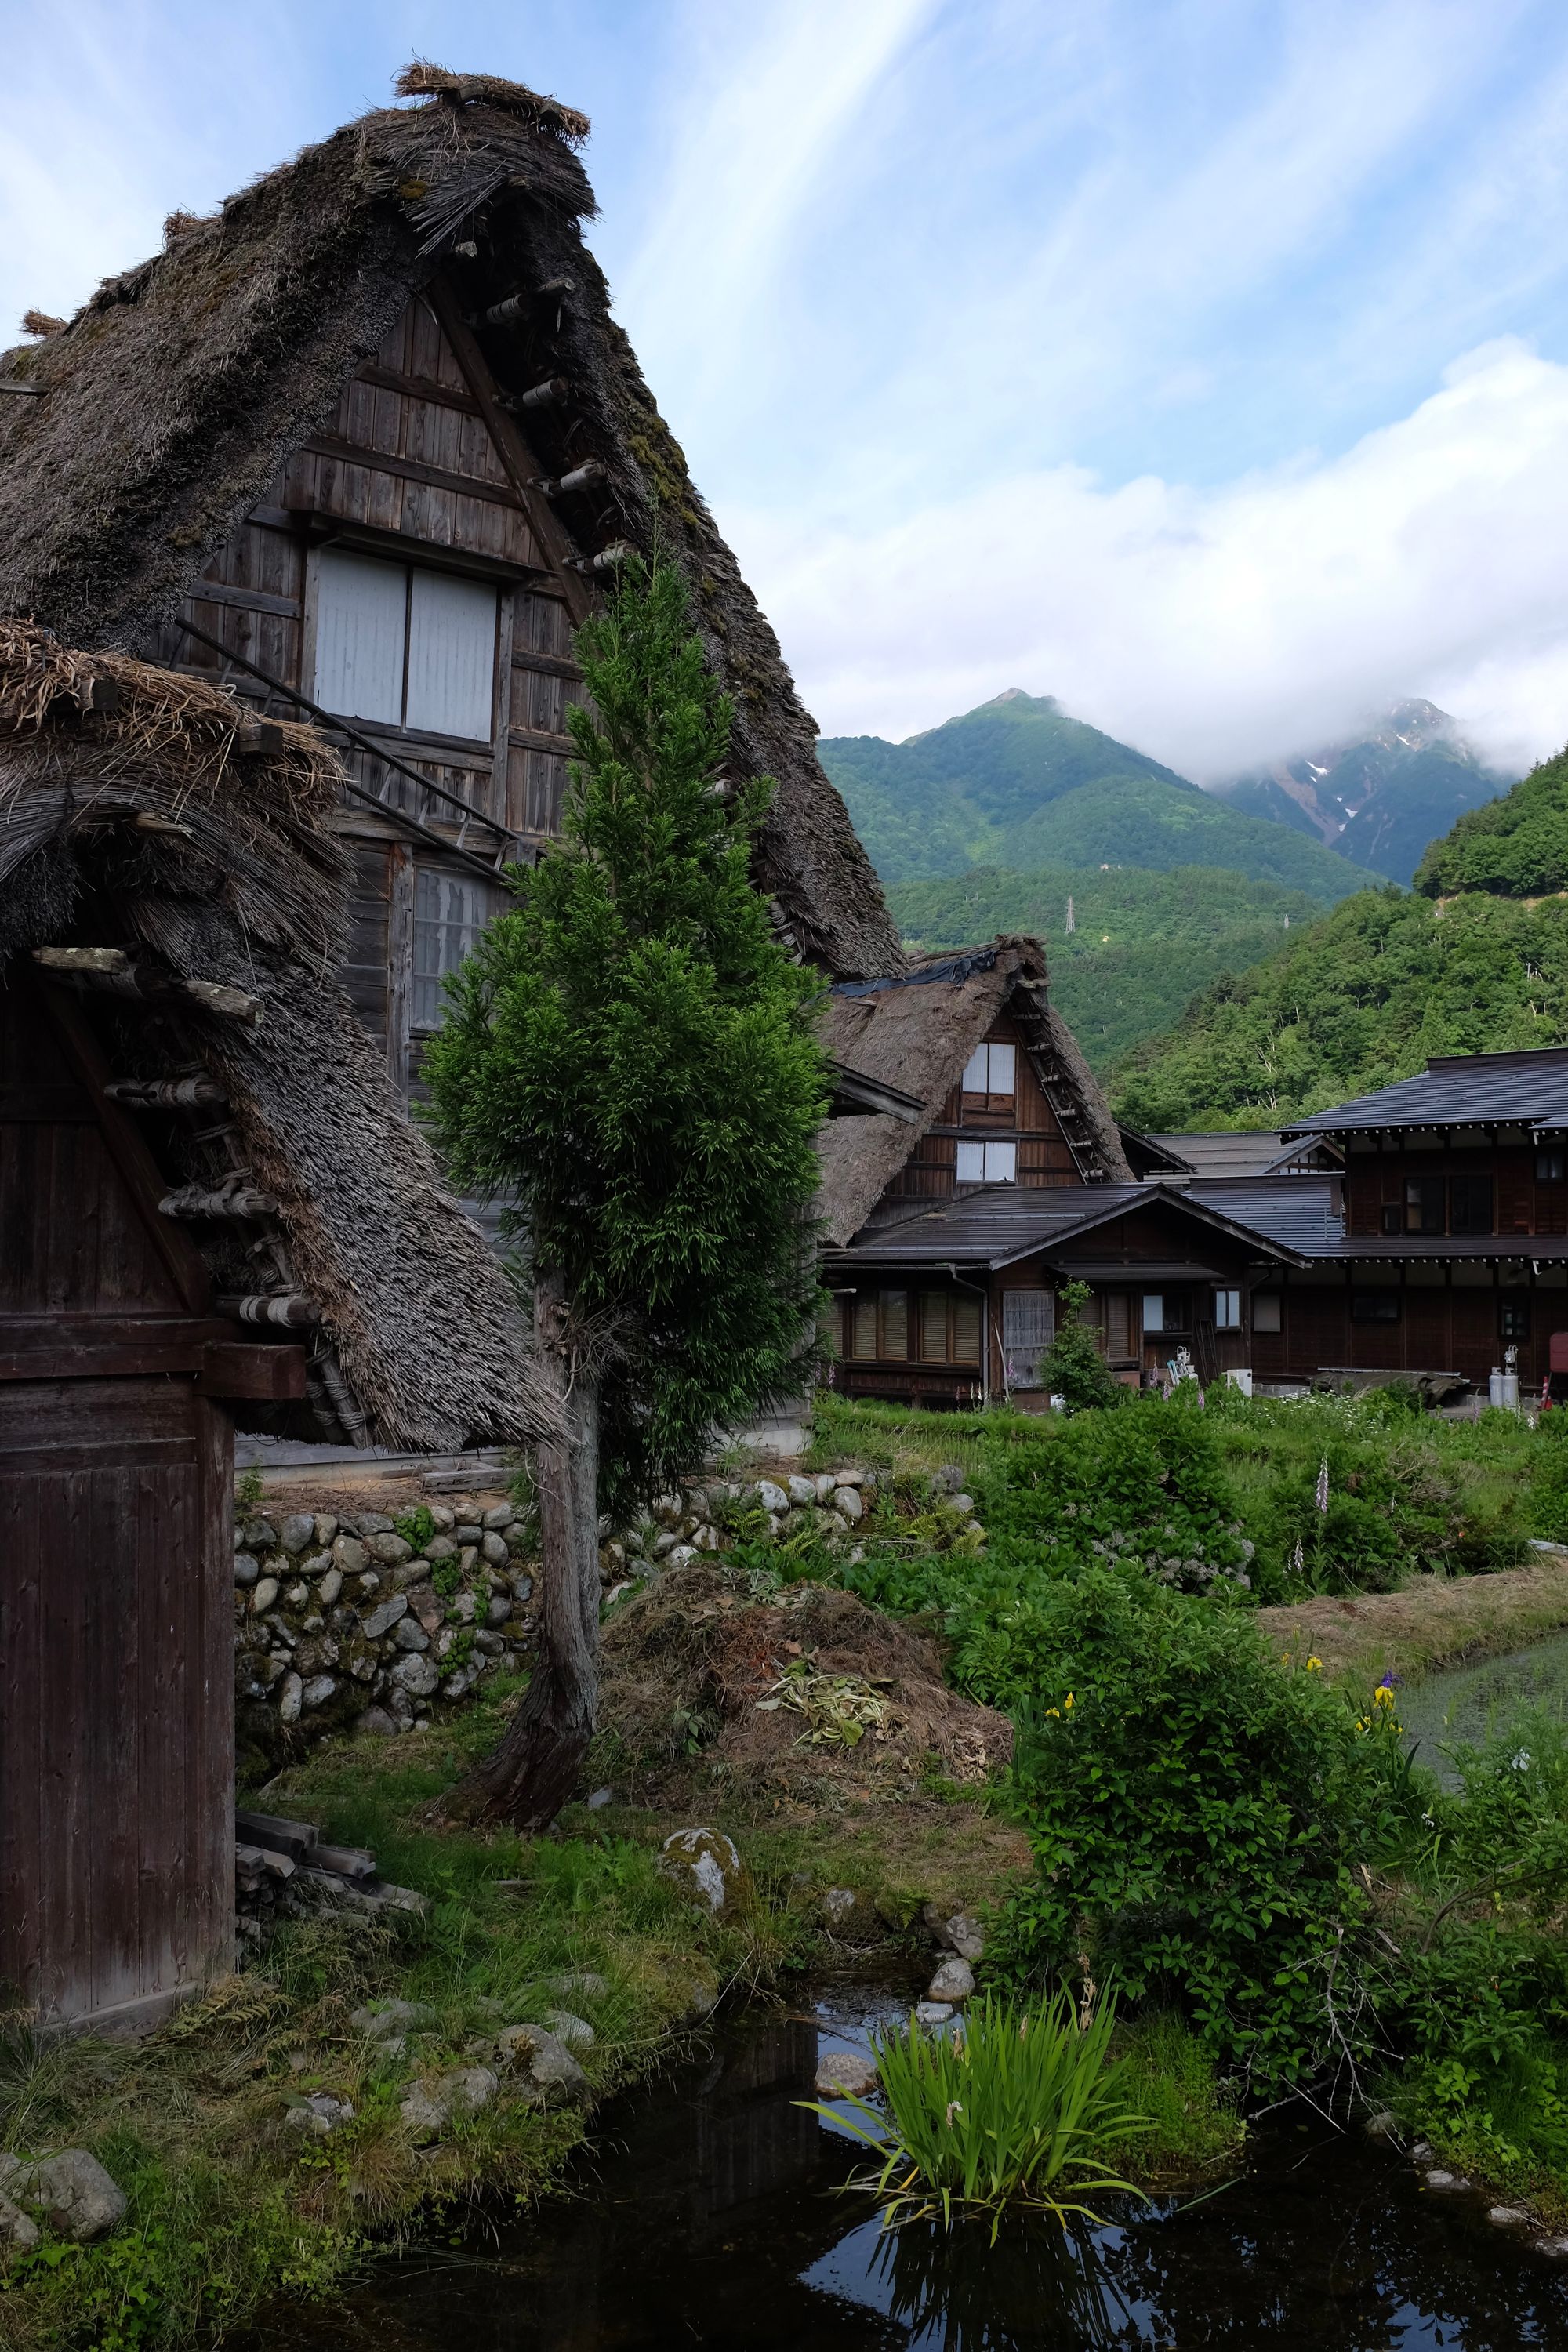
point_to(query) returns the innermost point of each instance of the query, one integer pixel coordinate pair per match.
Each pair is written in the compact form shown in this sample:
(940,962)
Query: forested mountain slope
(1516,847)
(1142,942)
(1019,785)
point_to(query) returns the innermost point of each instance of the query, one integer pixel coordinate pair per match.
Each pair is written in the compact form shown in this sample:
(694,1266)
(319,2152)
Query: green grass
(1020,2108)
(227,2205)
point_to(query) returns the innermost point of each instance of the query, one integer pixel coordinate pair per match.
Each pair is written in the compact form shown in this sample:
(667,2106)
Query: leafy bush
(1019,2108)
(1146,1483)
(1072,1366)
(1194,1814)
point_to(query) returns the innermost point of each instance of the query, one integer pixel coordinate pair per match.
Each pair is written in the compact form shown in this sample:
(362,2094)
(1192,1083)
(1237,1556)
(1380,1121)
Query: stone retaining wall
(359,1620)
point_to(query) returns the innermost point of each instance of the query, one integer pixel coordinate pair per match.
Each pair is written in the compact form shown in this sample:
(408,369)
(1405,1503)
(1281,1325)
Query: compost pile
(807,1686)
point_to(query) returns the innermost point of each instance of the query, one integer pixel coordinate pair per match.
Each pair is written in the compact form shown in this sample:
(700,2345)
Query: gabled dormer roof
(916,1031)
(146,426)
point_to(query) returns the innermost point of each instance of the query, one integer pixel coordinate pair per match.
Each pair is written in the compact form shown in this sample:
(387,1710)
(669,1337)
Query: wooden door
(116,1570)
(115,1694)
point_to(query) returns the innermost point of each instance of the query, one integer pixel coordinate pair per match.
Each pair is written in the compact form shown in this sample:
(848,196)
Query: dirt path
(1435,1622)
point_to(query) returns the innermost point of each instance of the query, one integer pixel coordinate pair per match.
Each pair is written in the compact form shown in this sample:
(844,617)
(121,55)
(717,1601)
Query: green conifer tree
(627,1060)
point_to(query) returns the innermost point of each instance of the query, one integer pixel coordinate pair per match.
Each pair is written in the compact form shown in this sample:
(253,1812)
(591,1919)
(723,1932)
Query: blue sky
(1202,361)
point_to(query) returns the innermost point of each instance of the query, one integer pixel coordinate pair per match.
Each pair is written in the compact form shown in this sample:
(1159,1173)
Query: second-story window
(1425,1205)
(403,645)
(1470,1205)
(991,1072)
(987,1163)
(451,910)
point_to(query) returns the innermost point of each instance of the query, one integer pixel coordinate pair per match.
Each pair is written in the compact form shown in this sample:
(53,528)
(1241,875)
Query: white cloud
(1215,628)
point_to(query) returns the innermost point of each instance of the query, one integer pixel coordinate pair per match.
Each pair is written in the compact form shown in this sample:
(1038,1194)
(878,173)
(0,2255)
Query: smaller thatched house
(211,1209)
(950,1235)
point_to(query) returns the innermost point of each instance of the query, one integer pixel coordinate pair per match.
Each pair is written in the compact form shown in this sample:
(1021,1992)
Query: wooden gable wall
(419,463)
(1045,1156)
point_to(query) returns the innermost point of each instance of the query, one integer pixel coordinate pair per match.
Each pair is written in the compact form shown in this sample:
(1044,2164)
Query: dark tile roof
(1301,1212)
(1225,1154)
(998,1223)
(1525,1089)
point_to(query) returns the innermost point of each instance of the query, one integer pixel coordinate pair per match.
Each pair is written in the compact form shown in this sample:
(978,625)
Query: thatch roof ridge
(227,886)
(917,1031)
(175,394)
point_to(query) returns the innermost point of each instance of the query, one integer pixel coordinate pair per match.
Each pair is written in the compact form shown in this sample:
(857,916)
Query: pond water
(712,2214)
(1466,1703)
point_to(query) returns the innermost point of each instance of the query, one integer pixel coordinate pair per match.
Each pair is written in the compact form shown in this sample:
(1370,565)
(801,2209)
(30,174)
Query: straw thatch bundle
(917,1032)
(171,400)
(144,826)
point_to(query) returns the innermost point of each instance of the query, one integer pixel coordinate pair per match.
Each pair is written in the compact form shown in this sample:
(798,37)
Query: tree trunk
(532,1773)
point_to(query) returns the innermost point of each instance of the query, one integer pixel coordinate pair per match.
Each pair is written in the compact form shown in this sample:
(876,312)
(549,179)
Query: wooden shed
(211,1210)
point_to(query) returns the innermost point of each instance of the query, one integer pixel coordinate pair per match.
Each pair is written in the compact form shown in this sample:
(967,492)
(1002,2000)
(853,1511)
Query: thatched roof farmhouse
(398,348)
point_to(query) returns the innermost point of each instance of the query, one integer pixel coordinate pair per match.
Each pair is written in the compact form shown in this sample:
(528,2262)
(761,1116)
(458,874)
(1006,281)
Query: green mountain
(1378,801)
(1019,785)
(1141,945)
(1367,995)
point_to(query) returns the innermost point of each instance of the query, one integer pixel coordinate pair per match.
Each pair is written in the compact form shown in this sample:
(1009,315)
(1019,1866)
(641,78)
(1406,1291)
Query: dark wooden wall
(116,1625)
(1044,1156)
(418,463)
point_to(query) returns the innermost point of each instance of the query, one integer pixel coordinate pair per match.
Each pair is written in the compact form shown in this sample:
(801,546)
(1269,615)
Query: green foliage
(1193,1811)
(415,1526)
(1515,848)
(248,1492)
(1019,2109)
(1018,780)
(1144,942)
(1072,1366)
(628,1057)
(1407,1492)
(1360,1000)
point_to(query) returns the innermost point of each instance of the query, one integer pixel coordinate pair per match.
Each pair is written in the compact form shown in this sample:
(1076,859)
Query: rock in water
(849,2074)
(954,1980)
(704,1864)
(73,2189)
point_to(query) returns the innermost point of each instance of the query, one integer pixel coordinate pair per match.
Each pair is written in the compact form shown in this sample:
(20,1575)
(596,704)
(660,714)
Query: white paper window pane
(1002,1061)
(1028,1327)
(451,655)
(360,611)
(972,1163)
(1228,1310)
(1153,1311)
(451,910)
(974,1073)
(1000,1164)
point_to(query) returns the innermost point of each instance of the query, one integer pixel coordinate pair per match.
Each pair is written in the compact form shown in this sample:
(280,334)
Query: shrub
(1195,1815)
(1020,2108)
(1072,1366)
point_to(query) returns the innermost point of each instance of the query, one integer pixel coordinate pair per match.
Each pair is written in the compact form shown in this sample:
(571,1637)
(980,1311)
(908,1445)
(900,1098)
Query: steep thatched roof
(917,1032)
(170,400)
(147,827)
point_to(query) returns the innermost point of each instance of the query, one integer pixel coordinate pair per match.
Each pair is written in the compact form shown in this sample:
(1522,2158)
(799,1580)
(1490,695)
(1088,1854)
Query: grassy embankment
(1209,1817)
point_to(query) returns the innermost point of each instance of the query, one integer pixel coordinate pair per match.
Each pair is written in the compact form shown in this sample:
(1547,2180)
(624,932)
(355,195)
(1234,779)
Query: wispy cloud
(1216,628)
(1090,348)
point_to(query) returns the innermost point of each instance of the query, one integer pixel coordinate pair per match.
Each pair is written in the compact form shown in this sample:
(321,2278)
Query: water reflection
(1465,1705)
(710,2217)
